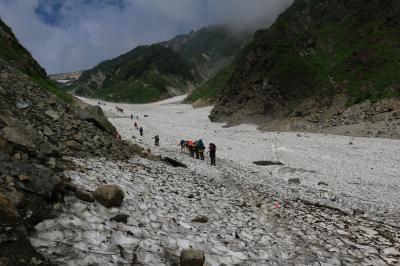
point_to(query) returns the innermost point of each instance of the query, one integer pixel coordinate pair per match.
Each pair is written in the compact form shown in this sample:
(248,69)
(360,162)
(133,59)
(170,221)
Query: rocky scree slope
(171,68)
(38,132)
(318,59)
(14,54)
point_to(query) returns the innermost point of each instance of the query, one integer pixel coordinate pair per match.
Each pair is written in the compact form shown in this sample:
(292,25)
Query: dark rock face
(109,196)
(95,115)
(191,257)
(174,162)
(295,71)
(120,218)
(267,163)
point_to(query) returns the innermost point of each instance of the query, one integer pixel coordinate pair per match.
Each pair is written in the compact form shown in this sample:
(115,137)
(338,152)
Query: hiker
(183,145)
(190,147)
(201,148)
(212,150)
(157,141)
(196,149)
(136,126)
(131,117)
(141,131)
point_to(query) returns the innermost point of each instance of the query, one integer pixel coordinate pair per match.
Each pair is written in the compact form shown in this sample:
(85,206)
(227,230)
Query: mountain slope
(209,49)
(315,52)
(14,54)
(147,73)
(150,73)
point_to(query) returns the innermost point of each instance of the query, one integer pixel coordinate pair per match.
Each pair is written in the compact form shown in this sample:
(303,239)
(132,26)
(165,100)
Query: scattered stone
(120,218)
(52,114)
(358,212)
(191,257)
(52,163)
(20,136)
(174,162)
(109,196)
(267,163)
(200,219)
(387,234)
(22,105)
(47,131)
(350,143)
(84,195)
(294,181)
(8,213)
(322,184)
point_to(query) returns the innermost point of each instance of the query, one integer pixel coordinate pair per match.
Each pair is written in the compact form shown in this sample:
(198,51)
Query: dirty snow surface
(343,209)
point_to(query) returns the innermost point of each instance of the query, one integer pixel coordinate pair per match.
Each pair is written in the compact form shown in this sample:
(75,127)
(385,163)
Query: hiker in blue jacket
(201,148)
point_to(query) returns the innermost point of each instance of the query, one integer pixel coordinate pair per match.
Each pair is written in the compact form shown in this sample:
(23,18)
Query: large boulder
(22,136)
(95,115)
(109,196)
(191,257)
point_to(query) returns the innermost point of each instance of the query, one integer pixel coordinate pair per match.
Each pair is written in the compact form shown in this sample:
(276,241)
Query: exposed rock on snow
(190,257)
(109,196)
(174,162)
(267,163)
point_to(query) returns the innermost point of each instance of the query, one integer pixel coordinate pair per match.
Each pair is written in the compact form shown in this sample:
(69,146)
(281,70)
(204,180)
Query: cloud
(67,35)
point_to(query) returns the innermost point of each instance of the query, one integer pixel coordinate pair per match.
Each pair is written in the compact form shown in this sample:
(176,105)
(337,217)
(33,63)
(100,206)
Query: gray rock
(294,181)
(52,114)
(109,196)
(191,257)
(22,105)
(84,195)
(120,218)
(47,131)
(23,136)
(322,184)
(95,115)
(200,219)
(52,163)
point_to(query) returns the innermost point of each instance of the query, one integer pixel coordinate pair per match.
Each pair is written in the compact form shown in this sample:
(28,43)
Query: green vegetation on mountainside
(13,53)
(142,75)
(210,90)
(351,45)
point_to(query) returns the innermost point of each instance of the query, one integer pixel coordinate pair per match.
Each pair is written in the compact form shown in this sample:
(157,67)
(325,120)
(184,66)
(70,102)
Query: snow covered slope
(255,216)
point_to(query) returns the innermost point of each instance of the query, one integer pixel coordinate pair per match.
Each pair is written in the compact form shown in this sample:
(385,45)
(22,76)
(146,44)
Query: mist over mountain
(70,35)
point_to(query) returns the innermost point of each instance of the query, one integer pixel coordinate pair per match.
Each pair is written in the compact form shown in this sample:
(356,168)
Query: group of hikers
(197,149)
(120,110)
(139,128)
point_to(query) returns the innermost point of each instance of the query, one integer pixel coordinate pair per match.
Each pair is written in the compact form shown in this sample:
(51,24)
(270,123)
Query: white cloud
(87,35)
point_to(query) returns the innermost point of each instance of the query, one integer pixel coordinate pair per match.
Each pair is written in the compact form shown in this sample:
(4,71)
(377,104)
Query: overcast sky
(68,35)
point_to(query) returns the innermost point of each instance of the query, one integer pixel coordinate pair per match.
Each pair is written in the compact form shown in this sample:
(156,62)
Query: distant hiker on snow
(212,150)
(131,117)
(141,131)
(157,141)
(136,126)
(183,145)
